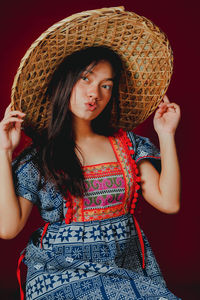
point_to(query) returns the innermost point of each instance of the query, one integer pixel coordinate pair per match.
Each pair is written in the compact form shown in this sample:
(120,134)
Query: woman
(83,173)
(91,249)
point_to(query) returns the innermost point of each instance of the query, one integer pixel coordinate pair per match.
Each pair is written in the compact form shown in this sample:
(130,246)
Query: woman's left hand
(167,117)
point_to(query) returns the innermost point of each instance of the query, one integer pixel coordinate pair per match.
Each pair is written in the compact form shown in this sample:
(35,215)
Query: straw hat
(145,51)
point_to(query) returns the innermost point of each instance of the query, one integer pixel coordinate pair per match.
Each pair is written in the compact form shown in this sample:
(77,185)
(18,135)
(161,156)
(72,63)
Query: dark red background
(174,238)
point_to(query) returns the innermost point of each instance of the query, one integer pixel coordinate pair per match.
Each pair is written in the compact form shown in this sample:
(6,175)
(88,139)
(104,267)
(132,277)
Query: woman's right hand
(10,129)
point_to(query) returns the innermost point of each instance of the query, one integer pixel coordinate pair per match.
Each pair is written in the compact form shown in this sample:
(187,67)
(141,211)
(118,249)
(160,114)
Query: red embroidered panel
(110,186)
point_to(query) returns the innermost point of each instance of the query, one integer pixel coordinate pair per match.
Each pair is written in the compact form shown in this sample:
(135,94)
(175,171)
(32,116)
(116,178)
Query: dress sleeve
(26,178)
(144,149)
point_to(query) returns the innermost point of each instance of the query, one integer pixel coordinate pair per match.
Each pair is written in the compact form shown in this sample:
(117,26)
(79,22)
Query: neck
(82,129)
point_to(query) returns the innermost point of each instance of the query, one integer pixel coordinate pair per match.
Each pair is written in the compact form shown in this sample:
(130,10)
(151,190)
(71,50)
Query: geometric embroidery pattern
(98,255)
(99,259)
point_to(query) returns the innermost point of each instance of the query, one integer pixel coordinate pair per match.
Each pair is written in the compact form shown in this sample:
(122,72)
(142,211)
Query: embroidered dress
(101,253)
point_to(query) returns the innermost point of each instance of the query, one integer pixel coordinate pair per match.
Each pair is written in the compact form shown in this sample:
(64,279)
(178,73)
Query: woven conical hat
(145,51)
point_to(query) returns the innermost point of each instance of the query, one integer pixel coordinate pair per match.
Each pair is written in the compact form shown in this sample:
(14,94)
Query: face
(92,92)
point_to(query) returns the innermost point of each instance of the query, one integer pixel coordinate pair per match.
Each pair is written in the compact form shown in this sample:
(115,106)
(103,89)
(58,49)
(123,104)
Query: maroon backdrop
(174,238)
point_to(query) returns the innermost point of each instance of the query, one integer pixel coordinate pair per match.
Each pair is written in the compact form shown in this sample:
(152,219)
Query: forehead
(102,67)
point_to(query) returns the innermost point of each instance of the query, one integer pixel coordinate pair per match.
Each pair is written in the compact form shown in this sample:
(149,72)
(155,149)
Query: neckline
(101,164)
(105,163)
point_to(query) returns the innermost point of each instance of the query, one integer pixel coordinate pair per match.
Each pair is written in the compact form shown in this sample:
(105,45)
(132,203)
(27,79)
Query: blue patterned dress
(98,255)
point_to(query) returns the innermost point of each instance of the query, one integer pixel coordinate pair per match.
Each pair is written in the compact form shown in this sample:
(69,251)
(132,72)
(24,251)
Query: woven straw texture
(145,51)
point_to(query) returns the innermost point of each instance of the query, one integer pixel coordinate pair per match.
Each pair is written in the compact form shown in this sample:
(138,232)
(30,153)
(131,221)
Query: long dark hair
(57,158)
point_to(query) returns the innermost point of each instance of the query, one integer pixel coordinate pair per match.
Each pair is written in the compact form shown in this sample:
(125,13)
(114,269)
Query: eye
(84,78)
(107,86)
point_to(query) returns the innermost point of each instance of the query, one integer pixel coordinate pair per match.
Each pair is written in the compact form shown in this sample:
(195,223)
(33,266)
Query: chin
(84,118)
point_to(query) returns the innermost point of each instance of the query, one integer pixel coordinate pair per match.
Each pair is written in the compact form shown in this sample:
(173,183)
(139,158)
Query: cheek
(107,98)
(73,102)
(104,104)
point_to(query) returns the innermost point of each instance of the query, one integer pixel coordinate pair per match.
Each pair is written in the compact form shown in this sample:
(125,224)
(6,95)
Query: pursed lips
(91,106)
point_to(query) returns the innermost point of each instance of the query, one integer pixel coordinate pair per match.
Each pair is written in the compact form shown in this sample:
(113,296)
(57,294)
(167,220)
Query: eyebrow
(91,72)
(109,79)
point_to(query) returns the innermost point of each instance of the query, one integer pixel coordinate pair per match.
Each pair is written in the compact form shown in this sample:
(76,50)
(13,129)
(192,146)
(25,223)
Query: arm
(14,211)
(163,190)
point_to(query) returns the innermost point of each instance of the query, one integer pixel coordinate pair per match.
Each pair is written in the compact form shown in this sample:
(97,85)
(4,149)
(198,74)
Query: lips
(91,106)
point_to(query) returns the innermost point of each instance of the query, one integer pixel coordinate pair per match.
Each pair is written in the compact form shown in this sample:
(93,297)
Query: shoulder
(25,159)
(25,167)
(141,143)
(136,140)
(142,146)
(26,176)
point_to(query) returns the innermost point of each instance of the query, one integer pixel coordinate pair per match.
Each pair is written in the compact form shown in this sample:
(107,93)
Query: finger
(158,113)
(174,106)
(177,108)
(17,112)
(163,108)
(18,125)
(166,99)
(163,104)
(172,109)
(14,113)
(8,109)
(11,120)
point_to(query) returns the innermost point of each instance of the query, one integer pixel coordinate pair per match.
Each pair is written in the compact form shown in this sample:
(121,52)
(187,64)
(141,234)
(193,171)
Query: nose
(94,92)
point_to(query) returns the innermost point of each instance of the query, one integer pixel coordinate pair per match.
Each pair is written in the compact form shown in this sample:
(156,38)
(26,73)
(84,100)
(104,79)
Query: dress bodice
(110,186)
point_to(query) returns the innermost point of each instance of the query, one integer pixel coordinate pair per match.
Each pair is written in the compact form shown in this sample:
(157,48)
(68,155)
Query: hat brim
(144,49)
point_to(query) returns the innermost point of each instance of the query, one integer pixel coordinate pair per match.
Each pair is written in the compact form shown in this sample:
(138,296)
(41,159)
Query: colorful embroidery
(110,186)
(105,193)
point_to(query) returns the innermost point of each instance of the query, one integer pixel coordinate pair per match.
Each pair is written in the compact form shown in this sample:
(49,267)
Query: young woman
(82,175)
